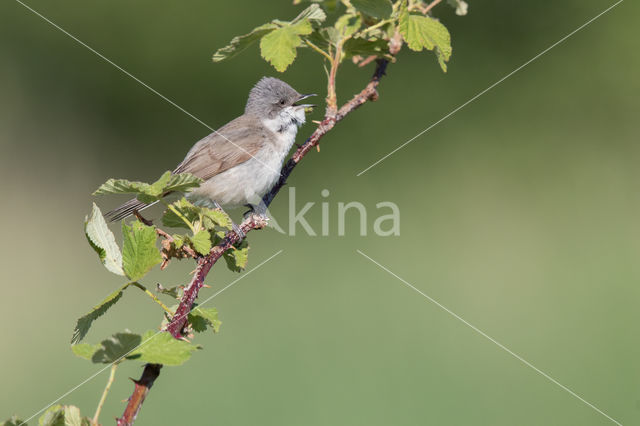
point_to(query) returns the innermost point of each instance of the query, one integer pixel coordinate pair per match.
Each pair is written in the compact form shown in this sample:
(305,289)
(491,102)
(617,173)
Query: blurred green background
(520,213)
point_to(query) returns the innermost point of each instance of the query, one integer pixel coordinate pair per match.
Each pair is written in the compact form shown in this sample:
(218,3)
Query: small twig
(332,99)
(112,375)
(138,216)
(168,252)
(373,27)
(425,9)
(367,61)
(164,235)
(181,216)
(153,297)
(320,51)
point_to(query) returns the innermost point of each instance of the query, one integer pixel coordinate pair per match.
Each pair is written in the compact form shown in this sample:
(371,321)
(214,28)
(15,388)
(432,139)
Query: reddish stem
(140,391)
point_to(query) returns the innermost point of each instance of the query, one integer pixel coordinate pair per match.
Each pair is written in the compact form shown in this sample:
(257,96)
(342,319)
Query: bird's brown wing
(233,144)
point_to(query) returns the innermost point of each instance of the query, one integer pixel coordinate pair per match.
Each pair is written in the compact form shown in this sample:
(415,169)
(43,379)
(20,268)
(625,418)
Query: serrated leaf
(139,251)
(202,318)
(157,188)
(238,257)
(314,14)
(186,209)
(240,43)
(348,24)
(54,416)
(279,46)
(380,9)
(364,47)
(63,415)
(72,416)
(103,242)
(84,322)
(422,32)
(214,217)
(85,350)
(148,193)
(182,182)
(163,348)
(121,186)
(115,347)
(328,5)
(201,242)
(13,421)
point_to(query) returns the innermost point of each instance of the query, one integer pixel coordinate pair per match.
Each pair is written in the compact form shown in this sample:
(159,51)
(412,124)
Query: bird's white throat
(285,125)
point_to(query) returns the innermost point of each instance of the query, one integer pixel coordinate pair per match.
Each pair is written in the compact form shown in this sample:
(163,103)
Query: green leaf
(162,348)
(122,186)
(182,182)
(237,257)
(84,322)
(314,14)
(54,416)
(103,241)
(72,417)
(380,9)
(201,318)
(186,209)
(240,43)
(422,32)
(328,5)
(364,47)
(13,421)
(202,242)
(148,193)
(85,350)
(63,415)
(279,46)
(213,217)
(157,188)
(348,24)
(139,252)
(116,347)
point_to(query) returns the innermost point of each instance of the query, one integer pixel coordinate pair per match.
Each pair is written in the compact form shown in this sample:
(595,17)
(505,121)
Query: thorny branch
(251,222)
(142,386)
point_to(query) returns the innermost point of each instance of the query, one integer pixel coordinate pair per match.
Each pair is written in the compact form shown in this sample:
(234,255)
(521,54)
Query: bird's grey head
(271,98)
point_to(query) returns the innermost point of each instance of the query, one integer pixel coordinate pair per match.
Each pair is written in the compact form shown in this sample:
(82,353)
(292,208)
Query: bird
(241,161)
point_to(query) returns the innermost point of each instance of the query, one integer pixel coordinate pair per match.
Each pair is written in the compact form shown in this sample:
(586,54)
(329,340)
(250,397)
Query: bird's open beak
(303,97)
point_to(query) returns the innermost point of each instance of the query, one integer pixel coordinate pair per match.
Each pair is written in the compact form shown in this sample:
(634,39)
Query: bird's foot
(252,209)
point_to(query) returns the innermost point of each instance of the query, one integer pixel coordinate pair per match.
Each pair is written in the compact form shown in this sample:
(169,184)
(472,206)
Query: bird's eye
(282,102)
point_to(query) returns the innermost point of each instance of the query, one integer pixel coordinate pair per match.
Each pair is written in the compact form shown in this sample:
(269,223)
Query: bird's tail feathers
(126,210)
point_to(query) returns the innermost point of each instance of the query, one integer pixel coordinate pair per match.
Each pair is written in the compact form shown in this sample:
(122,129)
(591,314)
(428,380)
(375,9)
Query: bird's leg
(251,210)
(235,227)
(259,210)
